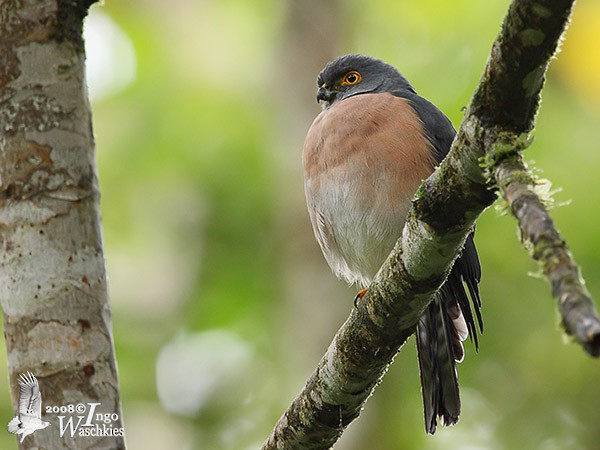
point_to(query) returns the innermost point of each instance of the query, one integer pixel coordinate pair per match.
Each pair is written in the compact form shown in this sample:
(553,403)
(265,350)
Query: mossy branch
(500,116)
(538,233)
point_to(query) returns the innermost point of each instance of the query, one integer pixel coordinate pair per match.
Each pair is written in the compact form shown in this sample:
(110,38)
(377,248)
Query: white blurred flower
(197,370)
(110,56)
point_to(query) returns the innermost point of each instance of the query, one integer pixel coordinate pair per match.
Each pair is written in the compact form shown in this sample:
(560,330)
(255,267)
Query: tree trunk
(53,290)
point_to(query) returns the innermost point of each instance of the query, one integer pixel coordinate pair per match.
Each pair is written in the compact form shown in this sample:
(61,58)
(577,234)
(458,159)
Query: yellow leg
(359,296)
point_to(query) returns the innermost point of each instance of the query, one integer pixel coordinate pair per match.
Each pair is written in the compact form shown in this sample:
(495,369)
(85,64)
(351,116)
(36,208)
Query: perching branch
(579,316)
(500,116)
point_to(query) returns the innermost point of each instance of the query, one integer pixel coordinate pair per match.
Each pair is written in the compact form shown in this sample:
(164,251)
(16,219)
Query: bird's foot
(359,296)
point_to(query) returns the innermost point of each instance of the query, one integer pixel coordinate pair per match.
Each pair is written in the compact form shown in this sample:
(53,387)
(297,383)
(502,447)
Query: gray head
(357,74)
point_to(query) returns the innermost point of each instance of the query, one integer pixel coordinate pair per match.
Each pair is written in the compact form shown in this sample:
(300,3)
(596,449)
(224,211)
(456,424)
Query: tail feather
(426,345)
(438,345)
(468,270)
(444,325)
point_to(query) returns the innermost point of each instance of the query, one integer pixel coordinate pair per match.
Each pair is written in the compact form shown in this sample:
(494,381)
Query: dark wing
(441,329)
(467,269)
(438,127)
(30,399)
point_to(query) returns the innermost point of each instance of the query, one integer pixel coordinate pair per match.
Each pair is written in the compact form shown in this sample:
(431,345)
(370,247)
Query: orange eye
(351,78)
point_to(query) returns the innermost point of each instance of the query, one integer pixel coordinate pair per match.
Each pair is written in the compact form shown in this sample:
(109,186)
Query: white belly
(357,224)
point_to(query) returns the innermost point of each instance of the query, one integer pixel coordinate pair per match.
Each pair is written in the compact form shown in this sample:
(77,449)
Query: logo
(84,419)
(81,419)
(29,417)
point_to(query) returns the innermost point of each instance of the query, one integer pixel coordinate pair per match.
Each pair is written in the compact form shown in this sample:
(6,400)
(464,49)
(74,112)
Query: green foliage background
(215,278)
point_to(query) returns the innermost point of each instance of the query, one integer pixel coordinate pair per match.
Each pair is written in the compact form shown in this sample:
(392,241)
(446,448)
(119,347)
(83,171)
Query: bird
(29,416)
(364,157)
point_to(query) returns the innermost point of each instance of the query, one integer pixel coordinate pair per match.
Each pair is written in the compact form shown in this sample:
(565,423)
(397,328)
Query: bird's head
(354,74)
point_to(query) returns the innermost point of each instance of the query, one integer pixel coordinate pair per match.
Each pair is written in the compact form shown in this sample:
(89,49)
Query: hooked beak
(325,95)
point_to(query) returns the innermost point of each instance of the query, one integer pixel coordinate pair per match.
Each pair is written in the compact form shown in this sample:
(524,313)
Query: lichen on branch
(538,233)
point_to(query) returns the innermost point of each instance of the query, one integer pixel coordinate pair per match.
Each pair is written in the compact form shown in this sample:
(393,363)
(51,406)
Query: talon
(359,296)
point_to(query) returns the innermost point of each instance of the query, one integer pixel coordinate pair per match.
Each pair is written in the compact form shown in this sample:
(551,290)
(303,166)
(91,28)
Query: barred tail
(454,314)
(439,347)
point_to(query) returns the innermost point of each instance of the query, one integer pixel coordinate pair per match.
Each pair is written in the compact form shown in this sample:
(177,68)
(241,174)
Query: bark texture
(576,308)
(500,117)
(53,290)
